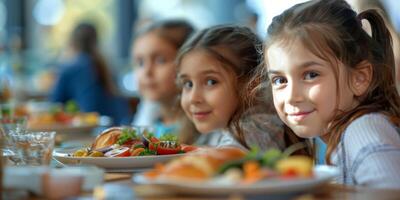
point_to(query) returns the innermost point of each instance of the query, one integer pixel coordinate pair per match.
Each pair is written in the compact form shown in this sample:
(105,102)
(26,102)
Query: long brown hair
(242,56)
(331,30)
(84,39)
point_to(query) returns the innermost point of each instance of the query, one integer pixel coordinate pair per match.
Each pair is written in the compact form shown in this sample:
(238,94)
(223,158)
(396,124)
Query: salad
(124,142)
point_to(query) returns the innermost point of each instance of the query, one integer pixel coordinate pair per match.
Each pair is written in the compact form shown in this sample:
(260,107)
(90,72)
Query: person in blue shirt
(86,80)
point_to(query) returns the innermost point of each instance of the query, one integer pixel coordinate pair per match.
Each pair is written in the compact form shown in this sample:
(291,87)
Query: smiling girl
(214,69)
(330,79)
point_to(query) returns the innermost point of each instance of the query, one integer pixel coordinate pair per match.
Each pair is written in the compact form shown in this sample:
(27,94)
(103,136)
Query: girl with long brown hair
(215,67)
(332,80)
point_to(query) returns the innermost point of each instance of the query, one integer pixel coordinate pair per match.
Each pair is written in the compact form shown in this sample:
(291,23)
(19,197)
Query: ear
(361,77)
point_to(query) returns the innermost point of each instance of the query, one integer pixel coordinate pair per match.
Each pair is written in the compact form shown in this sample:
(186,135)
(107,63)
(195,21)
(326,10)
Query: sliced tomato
(162,149)
(118,152)
(187,148)
(154,140)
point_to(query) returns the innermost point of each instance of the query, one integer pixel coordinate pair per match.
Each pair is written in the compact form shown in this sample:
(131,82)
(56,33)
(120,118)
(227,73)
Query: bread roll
(199,165)
(107,138)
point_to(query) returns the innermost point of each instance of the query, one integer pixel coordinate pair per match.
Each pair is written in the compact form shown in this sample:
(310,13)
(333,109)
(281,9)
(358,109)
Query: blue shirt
(78,81)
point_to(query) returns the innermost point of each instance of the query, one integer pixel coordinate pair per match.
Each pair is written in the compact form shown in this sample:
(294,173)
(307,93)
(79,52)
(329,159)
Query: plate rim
(324,173)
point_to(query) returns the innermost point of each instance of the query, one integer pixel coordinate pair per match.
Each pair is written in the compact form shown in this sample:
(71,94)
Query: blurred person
(154,50)
(85,79)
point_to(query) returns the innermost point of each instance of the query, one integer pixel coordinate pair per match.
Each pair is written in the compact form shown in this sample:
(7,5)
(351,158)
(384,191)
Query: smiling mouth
(299,116)
(201,115)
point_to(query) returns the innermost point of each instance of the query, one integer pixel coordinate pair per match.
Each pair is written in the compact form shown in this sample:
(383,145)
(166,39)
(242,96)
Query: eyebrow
(303,65)
(206,72)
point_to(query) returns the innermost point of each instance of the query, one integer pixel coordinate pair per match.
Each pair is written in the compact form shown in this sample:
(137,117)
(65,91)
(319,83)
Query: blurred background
(34,33)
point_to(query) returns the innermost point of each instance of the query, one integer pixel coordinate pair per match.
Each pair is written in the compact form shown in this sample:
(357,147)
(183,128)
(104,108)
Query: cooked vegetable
(165,147)
(169,137)
(118,152)
(127,135)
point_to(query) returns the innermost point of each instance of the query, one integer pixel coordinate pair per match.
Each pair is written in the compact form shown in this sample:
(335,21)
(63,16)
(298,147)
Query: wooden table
(328,191)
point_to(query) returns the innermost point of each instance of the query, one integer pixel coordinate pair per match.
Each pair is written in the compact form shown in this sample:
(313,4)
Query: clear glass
(33,148)
(9,125)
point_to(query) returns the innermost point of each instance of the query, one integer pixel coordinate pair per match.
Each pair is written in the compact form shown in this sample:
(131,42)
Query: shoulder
(369,133)
(78,64)
(371,128)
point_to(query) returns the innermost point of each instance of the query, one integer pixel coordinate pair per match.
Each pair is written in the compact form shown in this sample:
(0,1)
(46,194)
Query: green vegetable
(140,145)
(147,152)
(126,135)
(71,107)
(169,137)
(148,134)
(232,164)
(271,157)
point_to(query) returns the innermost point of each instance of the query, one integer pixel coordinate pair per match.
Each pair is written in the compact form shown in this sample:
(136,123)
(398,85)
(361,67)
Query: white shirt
(369,153)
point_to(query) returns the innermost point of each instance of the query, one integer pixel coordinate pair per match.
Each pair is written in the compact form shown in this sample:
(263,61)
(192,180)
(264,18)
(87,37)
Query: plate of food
(45,116)
(216,173)
(124,148)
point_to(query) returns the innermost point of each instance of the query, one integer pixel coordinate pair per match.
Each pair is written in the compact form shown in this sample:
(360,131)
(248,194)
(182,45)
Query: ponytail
(380,34)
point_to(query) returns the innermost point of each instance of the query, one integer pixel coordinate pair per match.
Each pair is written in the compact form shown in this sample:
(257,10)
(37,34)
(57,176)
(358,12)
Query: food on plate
(47,114)
(199,165)
(125,141)
(107,138)
(231,165)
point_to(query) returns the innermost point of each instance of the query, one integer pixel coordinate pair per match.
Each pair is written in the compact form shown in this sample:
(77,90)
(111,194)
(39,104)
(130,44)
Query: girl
(214,69)
(154,52)
(331,79)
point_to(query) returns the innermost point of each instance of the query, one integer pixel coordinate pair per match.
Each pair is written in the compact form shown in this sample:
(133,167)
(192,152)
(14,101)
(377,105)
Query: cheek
(324,98)
(184,102)
(279,100)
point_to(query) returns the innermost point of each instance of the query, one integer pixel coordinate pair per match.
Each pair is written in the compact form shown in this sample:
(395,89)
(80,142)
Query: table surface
(327,191)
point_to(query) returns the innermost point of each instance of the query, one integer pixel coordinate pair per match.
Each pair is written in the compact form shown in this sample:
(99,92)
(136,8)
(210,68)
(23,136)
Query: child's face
(154,58)
(304,89)
(209,96)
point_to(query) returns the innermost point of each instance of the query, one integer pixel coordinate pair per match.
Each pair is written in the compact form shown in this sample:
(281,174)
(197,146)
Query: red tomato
(187,148)
(154,140)
(162,149)
(63,117)
(118,152)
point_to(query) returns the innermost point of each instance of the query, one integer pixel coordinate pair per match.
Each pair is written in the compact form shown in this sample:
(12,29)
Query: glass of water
(8,125)
(33,148)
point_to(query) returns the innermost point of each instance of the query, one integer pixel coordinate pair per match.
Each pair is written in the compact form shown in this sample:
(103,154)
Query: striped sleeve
(372,148)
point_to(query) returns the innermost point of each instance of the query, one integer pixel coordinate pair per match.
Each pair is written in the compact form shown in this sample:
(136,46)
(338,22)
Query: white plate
(114,163)
(322,174)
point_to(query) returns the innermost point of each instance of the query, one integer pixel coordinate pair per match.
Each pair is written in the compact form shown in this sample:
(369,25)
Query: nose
(196,95)
(148,69)
(294,93)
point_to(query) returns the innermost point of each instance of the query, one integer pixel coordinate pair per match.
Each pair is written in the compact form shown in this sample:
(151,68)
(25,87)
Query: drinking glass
(8,125)
(33,148)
